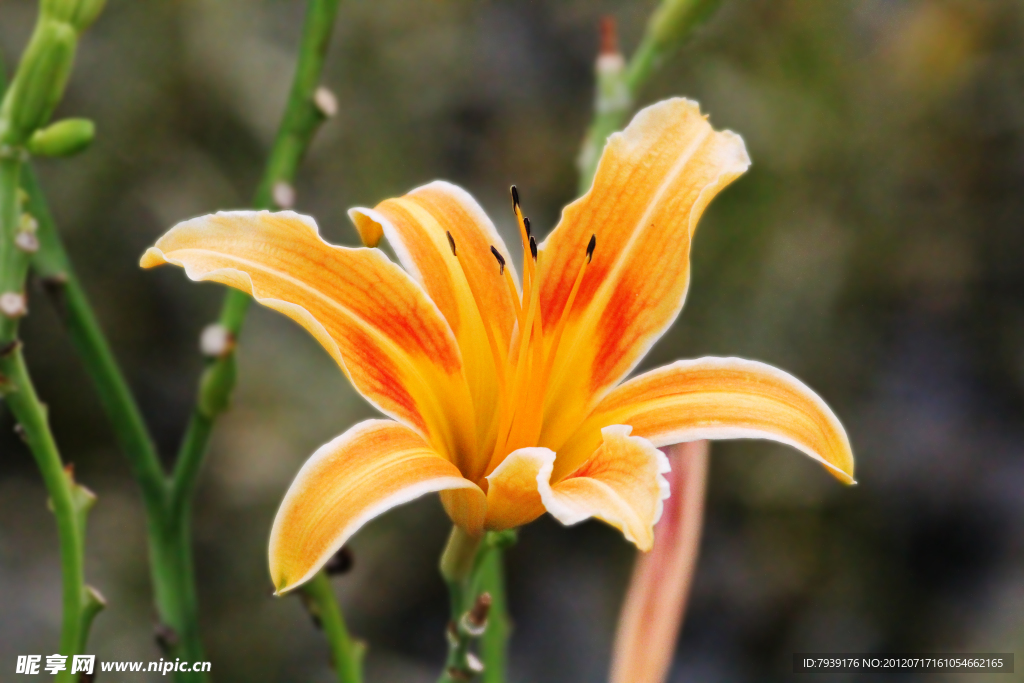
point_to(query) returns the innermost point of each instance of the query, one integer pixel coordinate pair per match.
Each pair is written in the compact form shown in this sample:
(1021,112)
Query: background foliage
(874,249)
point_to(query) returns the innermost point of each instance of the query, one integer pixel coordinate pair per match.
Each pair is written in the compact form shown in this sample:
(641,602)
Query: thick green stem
(494,642)
(170,547)
(346,653)
(472,568)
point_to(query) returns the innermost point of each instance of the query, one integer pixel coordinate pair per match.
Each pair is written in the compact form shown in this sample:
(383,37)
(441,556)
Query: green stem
(617,86)
(346,653)
(472,568)
(301,119)
(54,269)
(494,643)
(35,90)
(167,499)
(30,413)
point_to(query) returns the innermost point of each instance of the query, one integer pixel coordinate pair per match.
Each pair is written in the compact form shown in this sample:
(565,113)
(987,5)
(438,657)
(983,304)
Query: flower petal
(652,613)
(459,273)
(622,483)
(513,492)
(374,466)
(382,330)
(719,398)
(653,183)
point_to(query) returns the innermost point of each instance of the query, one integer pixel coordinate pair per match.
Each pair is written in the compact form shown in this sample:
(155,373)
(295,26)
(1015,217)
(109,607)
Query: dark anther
(526,224)
(515,197)
(533,248)
(501,260)
(166,637)
(340,563)
(478,614)
(451,243)
(590,247)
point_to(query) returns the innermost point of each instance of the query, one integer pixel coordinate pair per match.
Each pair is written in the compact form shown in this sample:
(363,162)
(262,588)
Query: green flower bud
(63,138)
(79,13)
(40,80)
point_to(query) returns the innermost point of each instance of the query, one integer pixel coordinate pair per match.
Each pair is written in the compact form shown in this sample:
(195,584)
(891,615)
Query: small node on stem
(473,663)
(609,60)
(27,242)
(216,341)
(12,305)
(8,348)
(474,622)
(20,431)
(340,563)
(284,194)
(25,239)
(166,637)
(325,102)
(609,36)
(457,674)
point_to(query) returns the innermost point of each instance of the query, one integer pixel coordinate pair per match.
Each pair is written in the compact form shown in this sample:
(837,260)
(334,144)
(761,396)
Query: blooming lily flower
(506,397)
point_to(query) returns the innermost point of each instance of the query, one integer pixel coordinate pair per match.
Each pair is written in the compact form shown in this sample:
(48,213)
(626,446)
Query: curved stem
(54,269)
(20,395)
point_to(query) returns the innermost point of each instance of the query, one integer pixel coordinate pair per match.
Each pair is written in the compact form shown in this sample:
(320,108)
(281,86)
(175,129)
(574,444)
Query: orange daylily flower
(505,397)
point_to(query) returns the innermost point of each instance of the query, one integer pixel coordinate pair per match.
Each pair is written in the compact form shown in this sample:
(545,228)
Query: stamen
(533,248)
(525,235)
(526,224)
(556,337)
(519,393)
(512,293)
(501,259)
(451,243)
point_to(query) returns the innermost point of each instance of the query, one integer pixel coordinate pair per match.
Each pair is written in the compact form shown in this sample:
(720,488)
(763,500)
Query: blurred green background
(875,249)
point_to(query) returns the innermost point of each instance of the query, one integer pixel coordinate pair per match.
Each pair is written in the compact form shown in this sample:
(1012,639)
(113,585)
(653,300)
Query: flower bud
(79,13)
(40,80)
(63,138)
